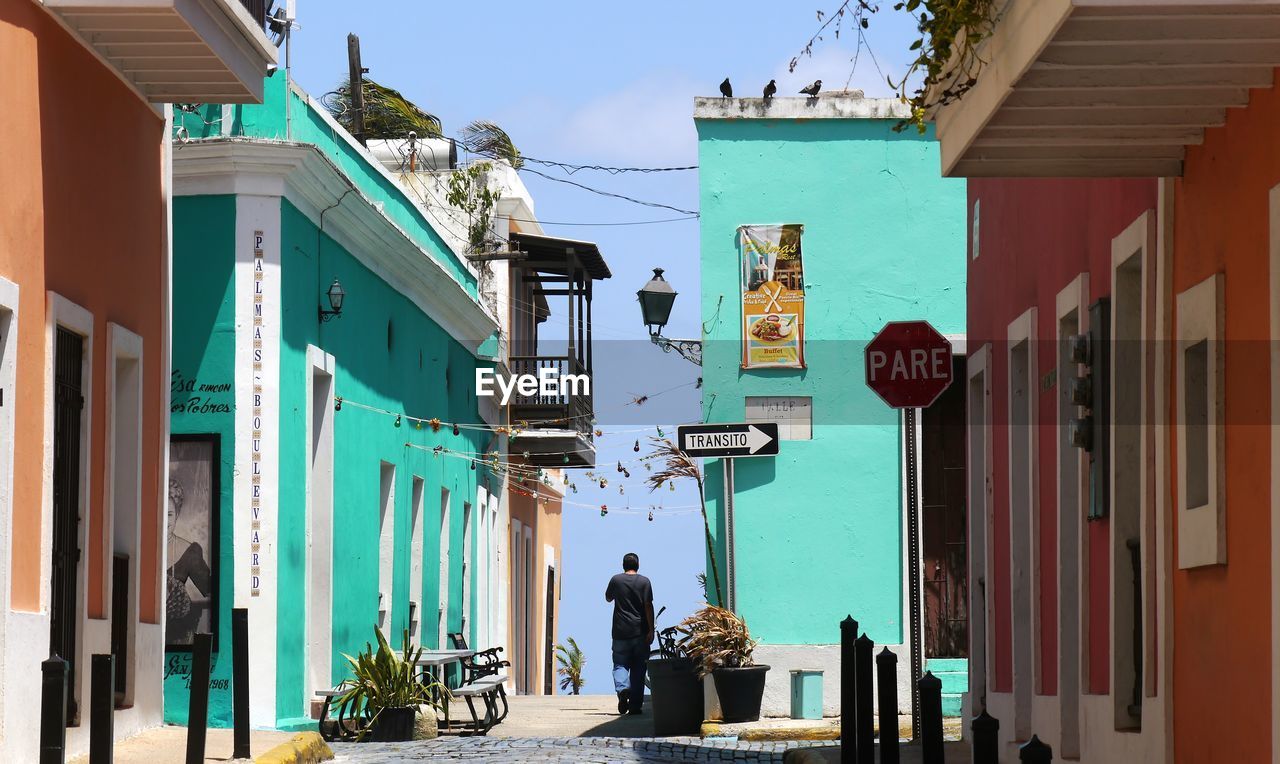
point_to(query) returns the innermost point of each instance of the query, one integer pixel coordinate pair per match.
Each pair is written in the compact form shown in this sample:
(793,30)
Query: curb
(772,734)
(304,748)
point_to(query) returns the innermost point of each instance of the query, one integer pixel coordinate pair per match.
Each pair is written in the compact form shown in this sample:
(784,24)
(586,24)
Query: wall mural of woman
(192,539)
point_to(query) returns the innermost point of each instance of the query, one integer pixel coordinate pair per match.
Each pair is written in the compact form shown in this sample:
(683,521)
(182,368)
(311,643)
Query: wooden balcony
(1106,88)
(559,425)
(178,51)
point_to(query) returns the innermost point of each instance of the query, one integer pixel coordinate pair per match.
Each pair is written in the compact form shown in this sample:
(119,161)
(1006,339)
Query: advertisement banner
(772,296)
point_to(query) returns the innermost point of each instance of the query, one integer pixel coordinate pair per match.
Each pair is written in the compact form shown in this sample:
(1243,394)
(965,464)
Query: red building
(1125,488)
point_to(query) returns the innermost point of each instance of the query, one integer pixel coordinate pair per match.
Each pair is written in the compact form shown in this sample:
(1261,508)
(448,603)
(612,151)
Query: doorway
(68,406)
(943,528)
(548,674)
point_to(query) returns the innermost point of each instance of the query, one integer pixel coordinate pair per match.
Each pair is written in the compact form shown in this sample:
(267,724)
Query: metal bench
(487,690)
(484,664)
(331,729)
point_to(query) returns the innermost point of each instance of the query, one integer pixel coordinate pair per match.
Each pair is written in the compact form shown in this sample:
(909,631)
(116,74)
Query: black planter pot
(741,691)
(393,725)
(676,697)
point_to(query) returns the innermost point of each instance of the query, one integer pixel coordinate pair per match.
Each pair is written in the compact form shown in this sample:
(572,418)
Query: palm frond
(489,140)
(387,113)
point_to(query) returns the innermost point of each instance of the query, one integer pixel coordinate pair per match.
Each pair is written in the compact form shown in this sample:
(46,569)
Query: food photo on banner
(772,296)
(190,582)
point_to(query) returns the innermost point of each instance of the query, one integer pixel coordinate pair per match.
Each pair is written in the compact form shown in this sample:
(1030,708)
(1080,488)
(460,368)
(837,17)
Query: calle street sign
(908,364)
(720,441)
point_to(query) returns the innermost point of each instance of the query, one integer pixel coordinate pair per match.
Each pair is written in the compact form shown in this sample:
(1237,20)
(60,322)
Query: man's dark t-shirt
(630,594)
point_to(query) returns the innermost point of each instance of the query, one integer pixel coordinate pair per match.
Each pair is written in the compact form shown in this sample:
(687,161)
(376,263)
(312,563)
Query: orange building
(1187,518)
(84,317)
(535,583)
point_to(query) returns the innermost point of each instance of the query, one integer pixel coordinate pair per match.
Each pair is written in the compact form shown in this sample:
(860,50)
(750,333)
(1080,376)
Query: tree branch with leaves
(677,465)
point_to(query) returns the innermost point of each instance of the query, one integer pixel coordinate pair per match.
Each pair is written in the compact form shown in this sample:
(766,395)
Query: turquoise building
(848,225)
(306,464)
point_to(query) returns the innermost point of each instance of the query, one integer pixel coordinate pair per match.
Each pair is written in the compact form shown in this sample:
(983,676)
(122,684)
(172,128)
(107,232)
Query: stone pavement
(162,745)
(575,750)
(587,729)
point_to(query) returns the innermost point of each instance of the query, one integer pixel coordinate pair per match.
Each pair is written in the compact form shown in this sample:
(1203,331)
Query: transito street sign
(720,441)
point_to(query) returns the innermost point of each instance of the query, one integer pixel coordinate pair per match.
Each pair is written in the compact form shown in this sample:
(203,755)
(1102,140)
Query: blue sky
(605,83)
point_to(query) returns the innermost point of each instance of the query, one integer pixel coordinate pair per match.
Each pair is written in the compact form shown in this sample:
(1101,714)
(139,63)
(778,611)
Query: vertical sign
(257,438)
(772,275)
(256,445)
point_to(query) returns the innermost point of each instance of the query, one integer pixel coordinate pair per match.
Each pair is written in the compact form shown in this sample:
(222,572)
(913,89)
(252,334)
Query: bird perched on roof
(812,90)
(769,90)
(726,90)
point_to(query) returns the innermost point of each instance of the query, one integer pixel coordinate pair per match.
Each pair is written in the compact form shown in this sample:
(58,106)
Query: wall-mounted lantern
(336,296)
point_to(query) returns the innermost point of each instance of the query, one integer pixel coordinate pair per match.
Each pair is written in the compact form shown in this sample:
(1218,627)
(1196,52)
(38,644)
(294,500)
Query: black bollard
(986,738)
(198,699)
(866,723)
(931,719)
(53,711)
(848,697)
(102,708)
(887,679)
(240,681)
(1035,752)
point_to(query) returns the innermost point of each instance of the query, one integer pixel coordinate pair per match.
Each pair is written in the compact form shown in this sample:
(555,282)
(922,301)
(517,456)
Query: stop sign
(908,364)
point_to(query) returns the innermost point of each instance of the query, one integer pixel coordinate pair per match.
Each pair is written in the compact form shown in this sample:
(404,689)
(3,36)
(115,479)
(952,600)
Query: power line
(633,200)
(571,168)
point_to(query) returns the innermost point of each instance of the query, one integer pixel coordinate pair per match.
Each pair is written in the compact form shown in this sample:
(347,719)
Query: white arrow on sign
(756,439)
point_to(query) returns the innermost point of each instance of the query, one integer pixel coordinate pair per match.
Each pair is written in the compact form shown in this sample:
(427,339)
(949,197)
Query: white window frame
(981,614)
(442,613)
(1137,241)
(61,312)
(1274,323)
(1074,298)
(124,345)
(319,527)
(417,553)
(1201,316)
(386,544)
(1022,330)
(9,315)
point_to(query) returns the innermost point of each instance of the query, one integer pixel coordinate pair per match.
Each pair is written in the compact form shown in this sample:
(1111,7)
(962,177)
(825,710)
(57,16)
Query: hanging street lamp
(656,299)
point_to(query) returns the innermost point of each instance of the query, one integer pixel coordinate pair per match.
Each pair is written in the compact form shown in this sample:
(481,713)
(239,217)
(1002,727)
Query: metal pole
(53,711)
(240,682)
(866,704)
(887,669)
(731,588)
(198,698)
(848,691)
(102,708)
(986,738)
(930,688)
(355,81)
(913,568)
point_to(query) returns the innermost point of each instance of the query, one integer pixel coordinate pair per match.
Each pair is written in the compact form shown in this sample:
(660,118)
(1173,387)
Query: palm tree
(387,113)
(571,661)
(676,465)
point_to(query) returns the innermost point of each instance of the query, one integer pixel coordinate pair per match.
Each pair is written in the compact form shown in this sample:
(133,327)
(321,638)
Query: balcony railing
(569,409)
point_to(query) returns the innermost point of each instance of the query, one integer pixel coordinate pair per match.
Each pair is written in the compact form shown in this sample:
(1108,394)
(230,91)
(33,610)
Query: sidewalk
(168,745)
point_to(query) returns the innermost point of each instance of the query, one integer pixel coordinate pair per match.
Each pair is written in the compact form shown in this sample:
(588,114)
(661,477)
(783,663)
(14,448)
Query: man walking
(632,598)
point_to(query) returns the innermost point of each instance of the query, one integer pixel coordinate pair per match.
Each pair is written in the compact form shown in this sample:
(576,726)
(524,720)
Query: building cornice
(301,173)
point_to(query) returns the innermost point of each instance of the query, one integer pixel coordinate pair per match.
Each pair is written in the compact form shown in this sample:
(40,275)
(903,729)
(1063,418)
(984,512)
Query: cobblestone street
(584,750)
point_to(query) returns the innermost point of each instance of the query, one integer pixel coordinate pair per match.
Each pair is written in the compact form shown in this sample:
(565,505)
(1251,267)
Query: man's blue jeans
(629,656)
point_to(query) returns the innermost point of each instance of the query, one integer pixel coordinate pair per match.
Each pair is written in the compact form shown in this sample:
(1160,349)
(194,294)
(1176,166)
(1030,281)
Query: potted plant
(720,645)
(384,691)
